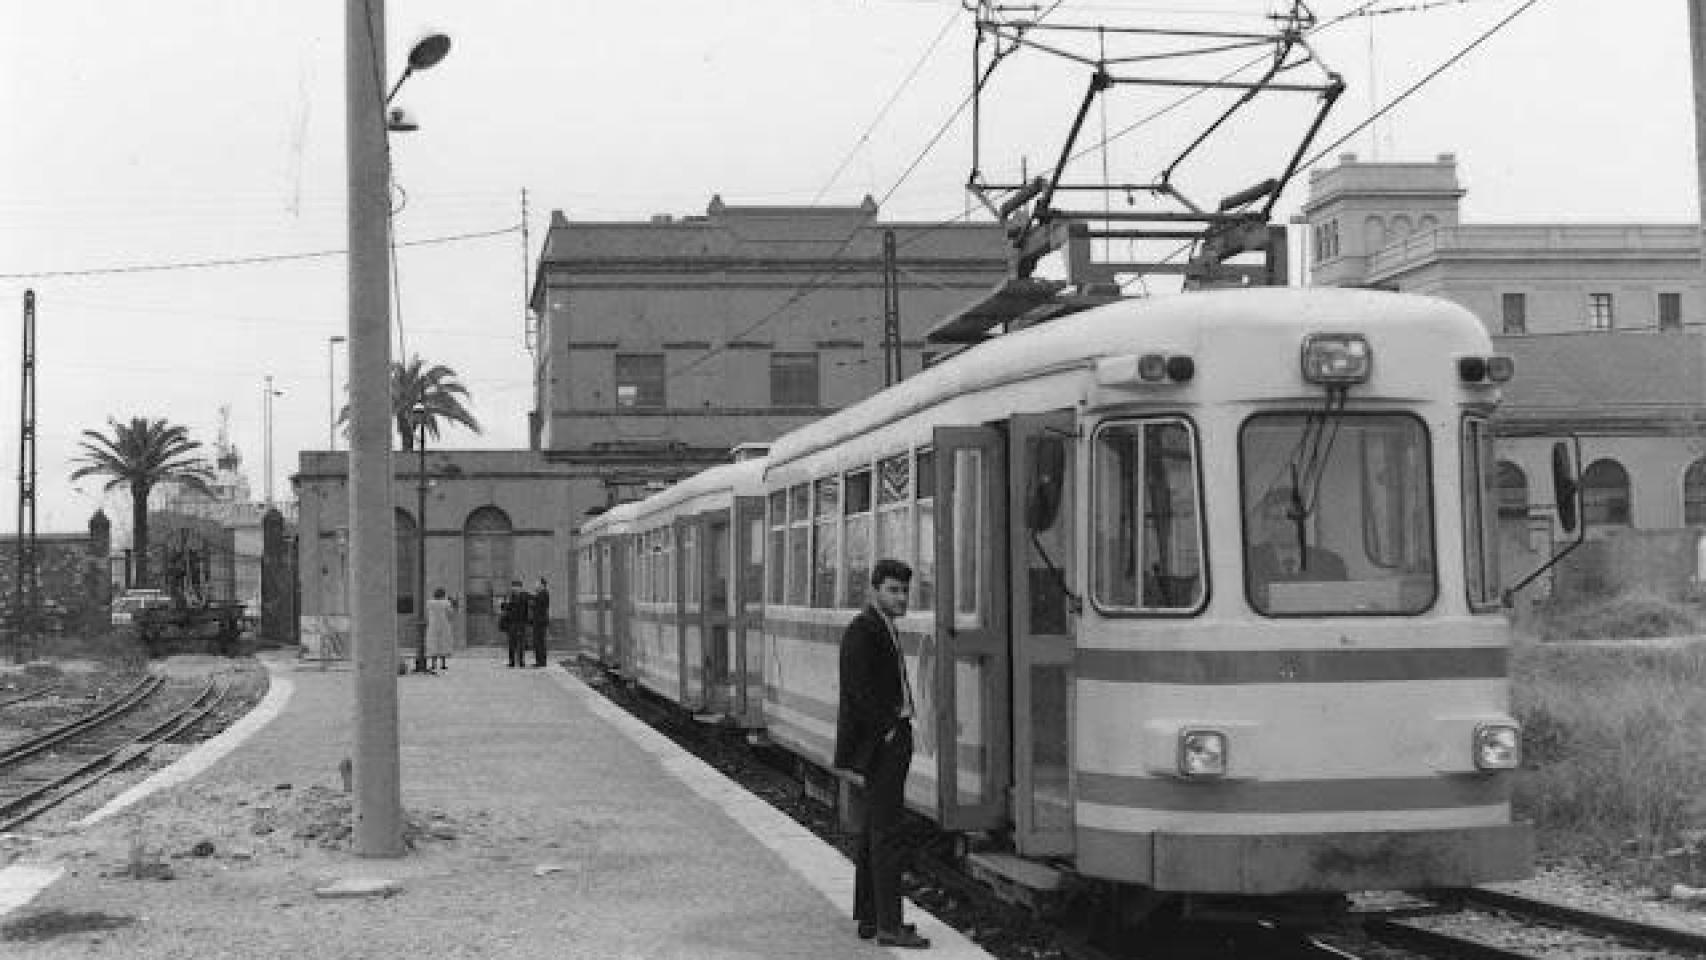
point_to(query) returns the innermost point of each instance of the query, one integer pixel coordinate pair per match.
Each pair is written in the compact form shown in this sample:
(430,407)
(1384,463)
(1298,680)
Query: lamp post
(332,392)
(378,800)
(419,413)
(267,393)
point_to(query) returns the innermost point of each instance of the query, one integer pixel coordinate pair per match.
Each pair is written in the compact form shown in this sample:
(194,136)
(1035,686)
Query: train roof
(1172,323)
(742,479)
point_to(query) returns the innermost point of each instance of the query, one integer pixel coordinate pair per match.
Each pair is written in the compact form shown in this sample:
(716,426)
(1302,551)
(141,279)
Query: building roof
(1595,375)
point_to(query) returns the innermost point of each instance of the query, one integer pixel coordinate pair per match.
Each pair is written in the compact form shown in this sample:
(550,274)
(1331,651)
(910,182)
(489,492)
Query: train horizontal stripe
(1293,796)
(810,631)
(1135,820)
(971,759)
(1217,667)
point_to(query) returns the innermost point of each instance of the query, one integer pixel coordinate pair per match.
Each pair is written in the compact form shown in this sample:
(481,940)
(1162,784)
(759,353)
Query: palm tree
(434,388)
(140,455)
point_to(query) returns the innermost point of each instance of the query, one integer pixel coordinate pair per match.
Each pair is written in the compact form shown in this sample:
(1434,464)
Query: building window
(1605,495)
(639,380)
(1670,311)
(1694,494)
(1516,312)
(1599,311)
(793,380)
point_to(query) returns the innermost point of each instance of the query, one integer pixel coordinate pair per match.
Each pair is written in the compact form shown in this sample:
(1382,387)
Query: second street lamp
(419,412)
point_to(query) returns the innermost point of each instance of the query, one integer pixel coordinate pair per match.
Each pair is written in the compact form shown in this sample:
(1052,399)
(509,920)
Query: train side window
(778,545)
(970,537)
(688,543)
(826,540)
(1148,553)
(799,539)
(924,571)
(894,505)
(1480,514)
(858,537)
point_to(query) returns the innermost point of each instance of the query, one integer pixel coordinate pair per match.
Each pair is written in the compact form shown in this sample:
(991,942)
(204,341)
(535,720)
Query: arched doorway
(1605,495)
(1694,494)
(488,551)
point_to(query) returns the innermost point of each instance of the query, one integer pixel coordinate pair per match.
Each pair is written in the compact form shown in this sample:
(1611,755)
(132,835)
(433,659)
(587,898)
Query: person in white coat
(439,635)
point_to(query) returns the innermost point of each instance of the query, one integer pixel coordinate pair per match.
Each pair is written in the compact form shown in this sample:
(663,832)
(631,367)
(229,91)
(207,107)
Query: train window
(894,503)
(778,544)
(858,535)
(799,539)
(924,571)
(1338,514)
(1148,520)
(1480,514)
(970,537)
(826,540)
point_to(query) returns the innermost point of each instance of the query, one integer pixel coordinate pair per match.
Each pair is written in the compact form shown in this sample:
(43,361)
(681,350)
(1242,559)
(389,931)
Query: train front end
(1292,673)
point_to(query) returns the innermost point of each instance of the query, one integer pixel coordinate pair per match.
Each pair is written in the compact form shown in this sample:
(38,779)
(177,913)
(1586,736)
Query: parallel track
(78,765)
(1502,926)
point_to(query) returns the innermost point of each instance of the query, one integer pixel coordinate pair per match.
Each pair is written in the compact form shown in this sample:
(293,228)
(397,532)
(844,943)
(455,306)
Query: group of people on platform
(522,616)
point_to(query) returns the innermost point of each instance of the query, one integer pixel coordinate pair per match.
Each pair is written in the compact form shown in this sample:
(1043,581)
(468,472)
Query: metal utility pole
(26,609)
(1697,52)
(373,568)
(891,313)
(267,393)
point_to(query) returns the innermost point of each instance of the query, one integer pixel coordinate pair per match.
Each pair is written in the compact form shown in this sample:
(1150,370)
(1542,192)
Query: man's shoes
(907,939)
(867,929)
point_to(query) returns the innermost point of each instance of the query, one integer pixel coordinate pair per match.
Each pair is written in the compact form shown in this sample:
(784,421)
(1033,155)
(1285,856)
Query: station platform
(546,823)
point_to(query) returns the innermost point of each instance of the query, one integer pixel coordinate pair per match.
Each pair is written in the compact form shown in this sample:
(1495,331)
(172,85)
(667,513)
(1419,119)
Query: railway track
(49,768)
(28,695)
(1490,925)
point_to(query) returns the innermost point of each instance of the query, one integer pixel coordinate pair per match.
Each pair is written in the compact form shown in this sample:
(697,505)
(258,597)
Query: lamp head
(428,51)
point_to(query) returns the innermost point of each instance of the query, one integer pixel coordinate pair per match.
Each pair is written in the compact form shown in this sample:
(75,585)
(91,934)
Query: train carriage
(1206,598)
(674,594)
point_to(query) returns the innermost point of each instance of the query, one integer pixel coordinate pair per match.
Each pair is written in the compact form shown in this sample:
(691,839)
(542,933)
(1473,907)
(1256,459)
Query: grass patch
(1616,756)
(1633,614)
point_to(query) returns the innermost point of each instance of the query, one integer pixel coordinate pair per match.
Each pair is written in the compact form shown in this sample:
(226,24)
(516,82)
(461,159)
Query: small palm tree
(434,389)
(141,455)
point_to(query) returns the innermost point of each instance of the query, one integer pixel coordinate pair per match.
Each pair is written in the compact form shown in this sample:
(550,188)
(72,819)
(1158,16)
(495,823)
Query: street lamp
(267,393)
(419,412)
(332,392)
(424,55)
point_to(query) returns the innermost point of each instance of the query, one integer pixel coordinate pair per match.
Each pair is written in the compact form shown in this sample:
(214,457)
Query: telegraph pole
(1697,52)
(891,313)
(372,566)
(27,608)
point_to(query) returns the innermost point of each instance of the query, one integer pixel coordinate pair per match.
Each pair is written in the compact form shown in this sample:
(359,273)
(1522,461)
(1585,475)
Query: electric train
(1206,600)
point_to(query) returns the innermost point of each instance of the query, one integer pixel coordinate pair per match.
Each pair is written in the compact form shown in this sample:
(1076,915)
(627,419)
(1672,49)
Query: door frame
(960,639)
(1028,649)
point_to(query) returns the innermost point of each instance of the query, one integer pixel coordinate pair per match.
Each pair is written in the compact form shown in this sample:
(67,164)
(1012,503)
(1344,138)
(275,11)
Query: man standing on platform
(873,738)
(514,622)
(539,611)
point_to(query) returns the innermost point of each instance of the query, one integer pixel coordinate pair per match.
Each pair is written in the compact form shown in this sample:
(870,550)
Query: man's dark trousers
(881,847)
(517,634)
(540,630)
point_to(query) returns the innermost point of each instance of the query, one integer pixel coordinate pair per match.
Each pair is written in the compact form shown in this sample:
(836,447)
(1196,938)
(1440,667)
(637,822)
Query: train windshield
(1338,514)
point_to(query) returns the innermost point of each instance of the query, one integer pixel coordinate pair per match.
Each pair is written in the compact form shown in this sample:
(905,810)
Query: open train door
(1042,489)
(970,719)
(747,604)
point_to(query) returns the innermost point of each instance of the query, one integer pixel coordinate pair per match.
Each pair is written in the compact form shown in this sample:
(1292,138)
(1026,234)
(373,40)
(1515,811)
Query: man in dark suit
(873,738)
(539,612)
(514,622)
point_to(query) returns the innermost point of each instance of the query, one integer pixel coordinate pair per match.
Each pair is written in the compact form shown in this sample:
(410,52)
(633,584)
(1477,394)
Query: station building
(1604,323)
(659,346)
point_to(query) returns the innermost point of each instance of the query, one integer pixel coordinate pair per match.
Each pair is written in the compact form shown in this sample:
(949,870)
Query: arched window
(1400,228)
(1427,223)
(1513,491)
(488,564)
(1605,494)
(408,541)
(1694,493)
(1373,234)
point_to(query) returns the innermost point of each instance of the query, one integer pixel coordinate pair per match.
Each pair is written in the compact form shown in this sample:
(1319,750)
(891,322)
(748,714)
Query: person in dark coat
(873,739)
(539,612)
(513,621)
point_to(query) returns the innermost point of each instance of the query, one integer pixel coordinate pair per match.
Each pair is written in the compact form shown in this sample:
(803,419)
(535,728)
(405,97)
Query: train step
(1028,883)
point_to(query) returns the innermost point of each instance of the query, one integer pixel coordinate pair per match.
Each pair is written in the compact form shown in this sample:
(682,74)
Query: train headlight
(1202,754)
(1498,746)
(1337,358)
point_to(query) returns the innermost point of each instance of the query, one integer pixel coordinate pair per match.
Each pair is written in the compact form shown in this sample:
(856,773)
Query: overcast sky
(178,131)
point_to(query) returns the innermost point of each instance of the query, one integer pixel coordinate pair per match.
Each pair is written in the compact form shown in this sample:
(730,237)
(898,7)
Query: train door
(716,560)
(1040,534)
(747,602)
(622,604)
(971,670)
(685,622)
(606,615)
